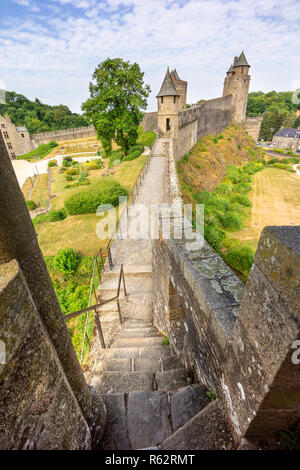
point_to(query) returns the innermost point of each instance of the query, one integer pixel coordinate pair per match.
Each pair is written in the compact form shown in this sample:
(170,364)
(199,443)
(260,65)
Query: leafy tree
(37,116)
(117,96)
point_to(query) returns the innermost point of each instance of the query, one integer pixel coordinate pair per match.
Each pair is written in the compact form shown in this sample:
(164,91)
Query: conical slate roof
(242,61)
(230,69)
(168,87)
(174,72)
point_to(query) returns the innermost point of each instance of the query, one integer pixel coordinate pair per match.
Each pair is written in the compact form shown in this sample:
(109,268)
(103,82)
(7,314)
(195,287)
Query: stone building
(287,139)
(17,139)
(237,84)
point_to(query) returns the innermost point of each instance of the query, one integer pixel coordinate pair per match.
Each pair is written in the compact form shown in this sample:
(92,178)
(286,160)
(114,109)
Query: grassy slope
(208,160)
(40,190)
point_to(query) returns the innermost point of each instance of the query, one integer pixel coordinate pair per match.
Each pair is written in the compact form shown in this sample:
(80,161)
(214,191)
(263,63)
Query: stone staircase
(149,394)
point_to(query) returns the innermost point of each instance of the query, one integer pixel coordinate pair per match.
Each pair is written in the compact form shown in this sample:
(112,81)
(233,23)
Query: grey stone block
(115,433)
(118,382)
(186,403)
(148,419)
(172,379)
(208,430)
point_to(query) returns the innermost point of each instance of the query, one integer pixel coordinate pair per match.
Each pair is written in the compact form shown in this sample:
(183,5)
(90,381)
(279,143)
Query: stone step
(156,365)
(148,364)
(139,381)
(129,271)
(140,420)
(172,379)
(137,342)
(138,332)
(136,324)
(152,352)
(207,430)
(134,285)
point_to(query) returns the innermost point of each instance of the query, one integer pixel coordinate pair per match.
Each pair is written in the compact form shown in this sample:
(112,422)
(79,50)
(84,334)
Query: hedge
(132,156)
(107,191)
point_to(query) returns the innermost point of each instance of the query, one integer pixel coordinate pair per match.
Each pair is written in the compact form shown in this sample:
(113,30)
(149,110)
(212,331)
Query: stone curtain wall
(66,134)
(253,125)
(210,117)
(38,409)
(150,121)
(238,340)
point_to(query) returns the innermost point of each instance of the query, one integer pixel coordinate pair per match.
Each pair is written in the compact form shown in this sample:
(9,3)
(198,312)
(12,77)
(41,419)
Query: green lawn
(79,231)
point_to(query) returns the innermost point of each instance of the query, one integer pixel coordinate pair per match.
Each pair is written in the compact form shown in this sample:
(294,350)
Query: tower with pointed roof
(237,84)
(171,99)
(181,87)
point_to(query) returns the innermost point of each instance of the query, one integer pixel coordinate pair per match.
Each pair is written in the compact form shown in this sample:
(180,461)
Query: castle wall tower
(237,84)
(168,105)
(181,87)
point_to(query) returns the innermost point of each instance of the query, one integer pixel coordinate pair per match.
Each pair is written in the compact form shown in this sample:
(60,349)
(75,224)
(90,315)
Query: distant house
(287,139)
(16,139)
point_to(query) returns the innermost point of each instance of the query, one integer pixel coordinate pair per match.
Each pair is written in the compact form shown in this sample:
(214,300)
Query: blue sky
(50,48)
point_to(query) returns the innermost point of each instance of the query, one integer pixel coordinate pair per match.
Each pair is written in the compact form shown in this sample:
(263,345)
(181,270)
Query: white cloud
(52,55)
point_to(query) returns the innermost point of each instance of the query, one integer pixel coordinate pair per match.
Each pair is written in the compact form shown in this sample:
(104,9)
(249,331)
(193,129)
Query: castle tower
(168,105)
(181,87)
(237,84)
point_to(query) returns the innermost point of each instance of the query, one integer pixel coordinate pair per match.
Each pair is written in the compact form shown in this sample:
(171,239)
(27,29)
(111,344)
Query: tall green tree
(118,95)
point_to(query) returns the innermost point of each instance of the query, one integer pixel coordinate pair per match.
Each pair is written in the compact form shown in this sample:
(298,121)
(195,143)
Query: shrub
(93,165)
(242,188)
(72,172)
(55,216)
(107,191)
(83,174)
(240,199)
(224,188)
(31,205)
(69,178)
(134,148)
(241,258)
(231,220)
(52,163)
(132,156)
(214,236)
(52,216)
(66,260)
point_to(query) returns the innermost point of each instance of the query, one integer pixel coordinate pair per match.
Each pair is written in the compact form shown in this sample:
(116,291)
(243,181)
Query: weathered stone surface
(208,430)
(148,420)
(122,364)
(244,351)
(172,362)
(38,409)
(186,403)
(116,433)
(117,382)
(147,363)
(278,257)
(136,342)
(173,379)
(18,241)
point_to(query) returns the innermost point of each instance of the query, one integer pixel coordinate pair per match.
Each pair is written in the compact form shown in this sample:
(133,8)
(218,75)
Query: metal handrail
(106,256)
(99,304)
